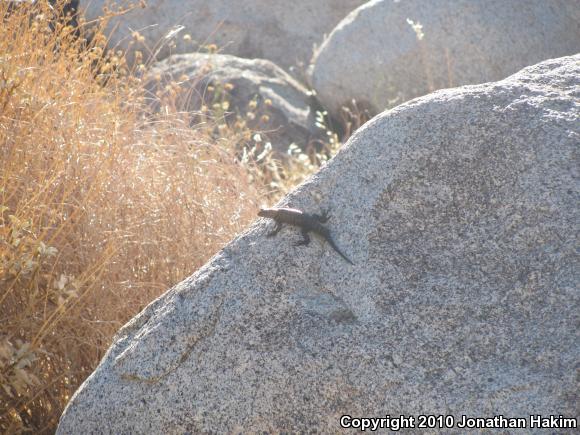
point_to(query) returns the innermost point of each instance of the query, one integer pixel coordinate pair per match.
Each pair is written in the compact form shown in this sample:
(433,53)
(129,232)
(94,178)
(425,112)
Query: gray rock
(262,94)
(460,210)
(375,55)
(282,32)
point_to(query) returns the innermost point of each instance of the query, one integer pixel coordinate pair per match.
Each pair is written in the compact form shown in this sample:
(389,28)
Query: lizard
(305,221)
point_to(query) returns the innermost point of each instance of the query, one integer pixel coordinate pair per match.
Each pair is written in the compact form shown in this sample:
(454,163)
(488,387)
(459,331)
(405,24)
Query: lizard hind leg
(305,239)
(275,231)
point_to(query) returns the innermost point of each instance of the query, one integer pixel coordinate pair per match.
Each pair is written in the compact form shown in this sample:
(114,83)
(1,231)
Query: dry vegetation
(101,207)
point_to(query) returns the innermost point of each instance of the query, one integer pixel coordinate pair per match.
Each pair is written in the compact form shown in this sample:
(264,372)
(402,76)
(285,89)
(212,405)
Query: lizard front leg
(276,230)
(305,238)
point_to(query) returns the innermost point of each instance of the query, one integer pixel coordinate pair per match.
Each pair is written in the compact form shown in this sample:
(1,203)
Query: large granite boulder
(277,30)
(256,91)
(387,52)
(460,212)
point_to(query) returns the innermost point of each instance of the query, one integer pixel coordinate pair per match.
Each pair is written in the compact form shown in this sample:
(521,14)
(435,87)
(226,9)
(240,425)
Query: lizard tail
(339,252)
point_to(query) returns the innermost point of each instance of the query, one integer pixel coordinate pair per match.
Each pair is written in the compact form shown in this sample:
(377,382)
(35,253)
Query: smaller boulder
(281,31)
(252,91)
(387,52)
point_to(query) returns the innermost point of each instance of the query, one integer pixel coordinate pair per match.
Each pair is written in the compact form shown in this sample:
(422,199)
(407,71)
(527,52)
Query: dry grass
(101,209)
(102,206)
